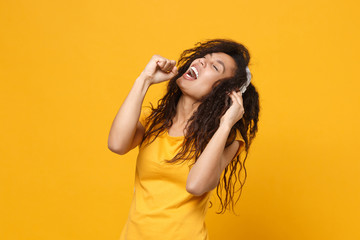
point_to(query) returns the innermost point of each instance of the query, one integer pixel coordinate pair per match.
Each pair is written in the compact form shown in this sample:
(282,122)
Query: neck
(184,109)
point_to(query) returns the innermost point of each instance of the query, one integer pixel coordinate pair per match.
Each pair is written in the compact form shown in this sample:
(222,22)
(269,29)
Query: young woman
(190,142)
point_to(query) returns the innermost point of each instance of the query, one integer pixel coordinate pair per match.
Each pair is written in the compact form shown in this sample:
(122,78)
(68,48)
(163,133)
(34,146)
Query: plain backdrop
(67,66)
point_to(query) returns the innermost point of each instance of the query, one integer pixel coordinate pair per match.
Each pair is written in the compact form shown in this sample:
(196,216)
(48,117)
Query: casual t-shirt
(161,208)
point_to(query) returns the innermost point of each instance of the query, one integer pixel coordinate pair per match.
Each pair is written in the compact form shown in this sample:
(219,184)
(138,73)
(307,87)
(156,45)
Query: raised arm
(206,172)
(126,131)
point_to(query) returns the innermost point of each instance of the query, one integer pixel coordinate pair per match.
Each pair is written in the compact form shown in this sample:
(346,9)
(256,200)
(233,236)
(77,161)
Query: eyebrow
(220,63)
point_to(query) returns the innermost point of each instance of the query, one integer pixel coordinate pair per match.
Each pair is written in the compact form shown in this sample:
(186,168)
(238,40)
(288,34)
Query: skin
(127,132)
(205,174)
(209,72)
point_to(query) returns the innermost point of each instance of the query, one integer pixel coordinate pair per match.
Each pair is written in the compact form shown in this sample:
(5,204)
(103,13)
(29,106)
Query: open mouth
(192,74)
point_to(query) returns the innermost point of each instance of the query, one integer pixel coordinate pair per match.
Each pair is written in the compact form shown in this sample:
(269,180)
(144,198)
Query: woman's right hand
(159,69)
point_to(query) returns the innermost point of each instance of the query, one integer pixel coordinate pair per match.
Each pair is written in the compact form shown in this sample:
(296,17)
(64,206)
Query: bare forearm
(123,127)
(205,173)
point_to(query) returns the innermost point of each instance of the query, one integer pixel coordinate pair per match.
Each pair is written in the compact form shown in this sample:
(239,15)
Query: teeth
(196,72)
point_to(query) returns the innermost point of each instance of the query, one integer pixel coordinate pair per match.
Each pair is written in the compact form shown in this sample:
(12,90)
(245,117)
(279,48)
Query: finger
(175,70)
(160,63)
(239,94)
(233,99)
(168,65)
(172,64)
(165,66)
(238,97)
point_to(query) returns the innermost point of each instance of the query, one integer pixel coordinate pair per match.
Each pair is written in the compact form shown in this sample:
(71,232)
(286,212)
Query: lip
(187,78)
(197,68)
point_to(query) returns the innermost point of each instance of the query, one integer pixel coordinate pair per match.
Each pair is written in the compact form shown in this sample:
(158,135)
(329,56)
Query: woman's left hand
(236,110)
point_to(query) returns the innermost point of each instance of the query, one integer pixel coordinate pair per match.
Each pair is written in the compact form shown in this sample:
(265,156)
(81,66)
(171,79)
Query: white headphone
(248,75)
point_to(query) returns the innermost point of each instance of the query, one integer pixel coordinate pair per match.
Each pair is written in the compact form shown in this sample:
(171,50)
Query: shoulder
(238,143)
(234,149)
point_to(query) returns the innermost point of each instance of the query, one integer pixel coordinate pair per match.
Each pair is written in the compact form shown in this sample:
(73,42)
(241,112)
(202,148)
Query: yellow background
(66,67)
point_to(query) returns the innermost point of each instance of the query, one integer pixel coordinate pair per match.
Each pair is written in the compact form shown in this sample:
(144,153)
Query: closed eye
(213,65)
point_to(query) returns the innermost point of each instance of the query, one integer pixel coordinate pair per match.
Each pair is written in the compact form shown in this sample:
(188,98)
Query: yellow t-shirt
(161,208)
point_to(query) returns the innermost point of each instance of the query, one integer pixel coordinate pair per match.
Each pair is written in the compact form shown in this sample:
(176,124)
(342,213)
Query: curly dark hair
(206,119)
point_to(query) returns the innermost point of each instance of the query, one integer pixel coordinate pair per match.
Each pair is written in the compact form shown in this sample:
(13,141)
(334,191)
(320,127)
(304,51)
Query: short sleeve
(242,143)
(145,112)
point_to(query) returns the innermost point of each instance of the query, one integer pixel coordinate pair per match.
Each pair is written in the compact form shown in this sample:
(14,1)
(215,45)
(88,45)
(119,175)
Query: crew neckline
(176,137)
